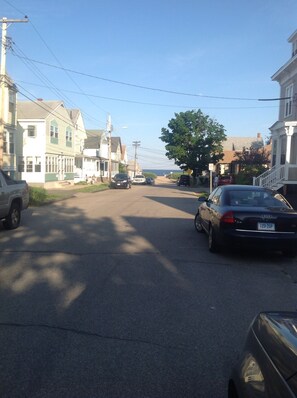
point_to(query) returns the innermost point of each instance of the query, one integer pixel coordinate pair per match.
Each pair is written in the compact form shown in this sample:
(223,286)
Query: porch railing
(272,178)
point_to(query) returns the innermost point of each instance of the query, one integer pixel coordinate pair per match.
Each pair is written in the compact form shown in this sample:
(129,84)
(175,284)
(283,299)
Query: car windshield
(256,198)
(139,176)
(120,176)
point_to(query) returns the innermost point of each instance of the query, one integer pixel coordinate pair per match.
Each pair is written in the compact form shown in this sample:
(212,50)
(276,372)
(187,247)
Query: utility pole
(3,80)
(136,144)
(109,130)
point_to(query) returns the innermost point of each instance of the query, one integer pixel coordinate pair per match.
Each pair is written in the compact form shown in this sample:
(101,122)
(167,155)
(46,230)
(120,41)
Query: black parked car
(150,180)
(250,216)
(268,364)
(121,180)
(184,180)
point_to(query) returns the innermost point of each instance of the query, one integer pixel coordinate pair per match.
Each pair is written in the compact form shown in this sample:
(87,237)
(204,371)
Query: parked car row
(123,180)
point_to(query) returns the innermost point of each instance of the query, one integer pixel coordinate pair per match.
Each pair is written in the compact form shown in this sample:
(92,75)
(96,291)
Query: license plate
(266,226)
(118,183)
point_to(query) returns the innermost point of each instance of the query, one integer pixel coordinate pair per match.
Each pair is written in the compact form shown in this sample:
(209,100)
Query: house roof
(37,109)
(92,143)
(238,143)
(74,114)
(229,156)
(115,143)
(93,139)
(95,133)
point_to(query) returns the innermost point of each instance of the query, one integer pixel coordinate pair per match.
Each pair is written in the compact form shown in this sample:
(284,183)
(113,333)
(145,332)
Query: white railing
(271,178)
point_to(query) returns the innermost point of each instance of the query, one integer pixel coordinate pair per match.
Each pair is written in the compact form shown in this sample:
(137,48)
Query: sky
(141,62)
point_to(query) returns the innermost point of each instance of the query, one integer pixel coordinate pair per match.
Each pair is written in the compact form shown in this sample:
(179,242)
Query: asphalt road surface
(114,294)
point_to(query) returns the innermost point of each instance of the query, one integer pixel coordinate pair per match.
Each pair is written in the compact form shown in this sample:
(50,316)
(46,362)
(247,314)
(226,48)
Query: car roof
(243,188)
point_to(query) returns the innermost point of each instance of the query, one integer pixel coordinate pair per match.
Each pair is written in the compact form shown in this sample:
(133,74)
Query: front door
(61,168)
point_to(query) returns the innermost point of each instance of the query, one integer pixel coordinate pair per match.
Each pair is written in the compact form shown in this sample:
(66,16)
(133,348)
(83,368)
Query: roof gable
(38,109)
(238,143)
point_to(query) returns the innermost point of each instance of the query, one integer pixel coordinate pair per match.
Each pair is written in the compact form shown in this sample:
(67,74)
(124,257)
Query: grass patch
(39,196)
(94,188)
(202,194)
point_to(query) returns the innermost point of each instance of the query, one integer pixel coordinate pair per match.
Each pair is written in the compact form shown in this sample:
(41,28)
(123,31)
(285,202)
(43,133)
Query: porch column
(289,132)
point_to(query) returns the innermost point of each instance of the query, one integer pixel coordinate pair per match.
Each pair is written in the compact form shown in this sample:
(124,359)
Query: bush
(151,175)
(174,176)
(204,180)
(37,195)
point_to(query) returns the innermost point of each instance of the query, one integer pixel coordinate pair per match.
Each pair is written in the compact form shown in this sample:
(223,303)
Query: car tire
(213,245)
(197,223)
(12,221)
(291,253)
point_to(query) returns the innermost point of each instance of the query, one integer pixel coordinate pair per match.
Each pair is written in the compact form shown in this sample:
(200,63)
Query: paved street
(114,294)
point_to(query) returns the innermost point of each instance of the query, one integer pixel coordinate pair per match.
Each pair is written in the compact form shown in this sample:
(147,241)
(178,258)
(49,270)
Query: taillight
(228,218)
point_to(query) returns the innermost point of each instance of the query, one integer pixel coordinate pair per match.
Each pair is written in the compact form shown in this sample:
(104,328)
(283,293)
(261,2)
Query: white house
(48,154)
(283,172)
(97,149)
(96,153)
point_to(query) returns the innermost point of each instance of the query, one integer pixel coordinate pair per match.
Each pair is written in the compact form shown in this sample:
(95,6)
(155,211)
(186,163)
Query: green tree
(193,140)
(253,162)
(122,168)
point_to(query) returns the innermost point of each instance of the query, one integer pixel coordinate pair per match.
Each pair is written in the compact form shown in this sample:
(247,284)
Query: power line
(154,88)
(52,87)
(55,57)
(150,103)
(46,108)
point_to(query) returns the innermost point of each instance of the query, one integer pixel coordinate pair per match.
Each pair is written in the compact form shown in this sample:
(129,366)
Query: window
(37,164)
(31,131)
(274,150)
(288,103)
(5,143)
(283,149)
(8,142)
(68,137)
(29,165)
(68,134)
(54,132)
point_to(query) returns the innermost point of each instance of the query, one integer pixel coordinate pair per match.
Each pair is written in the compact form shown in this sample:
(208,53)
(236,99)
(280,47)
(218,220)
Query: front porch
(277,177)
(283,172)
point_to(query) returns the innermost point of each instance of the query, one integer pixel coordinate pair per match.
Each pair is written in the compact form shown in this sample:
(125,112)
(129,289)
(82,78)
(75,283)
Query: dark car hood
(277,332)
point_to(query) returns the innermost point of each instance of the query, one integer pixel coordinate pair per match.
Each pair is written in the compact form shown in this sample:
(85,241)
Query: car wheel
(291,253)
(213,245)
(12,221)
(197,223)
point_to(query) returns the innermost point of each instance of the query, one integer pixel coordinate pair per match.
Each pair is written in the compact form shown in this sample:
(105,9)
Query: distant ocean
(159,172)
